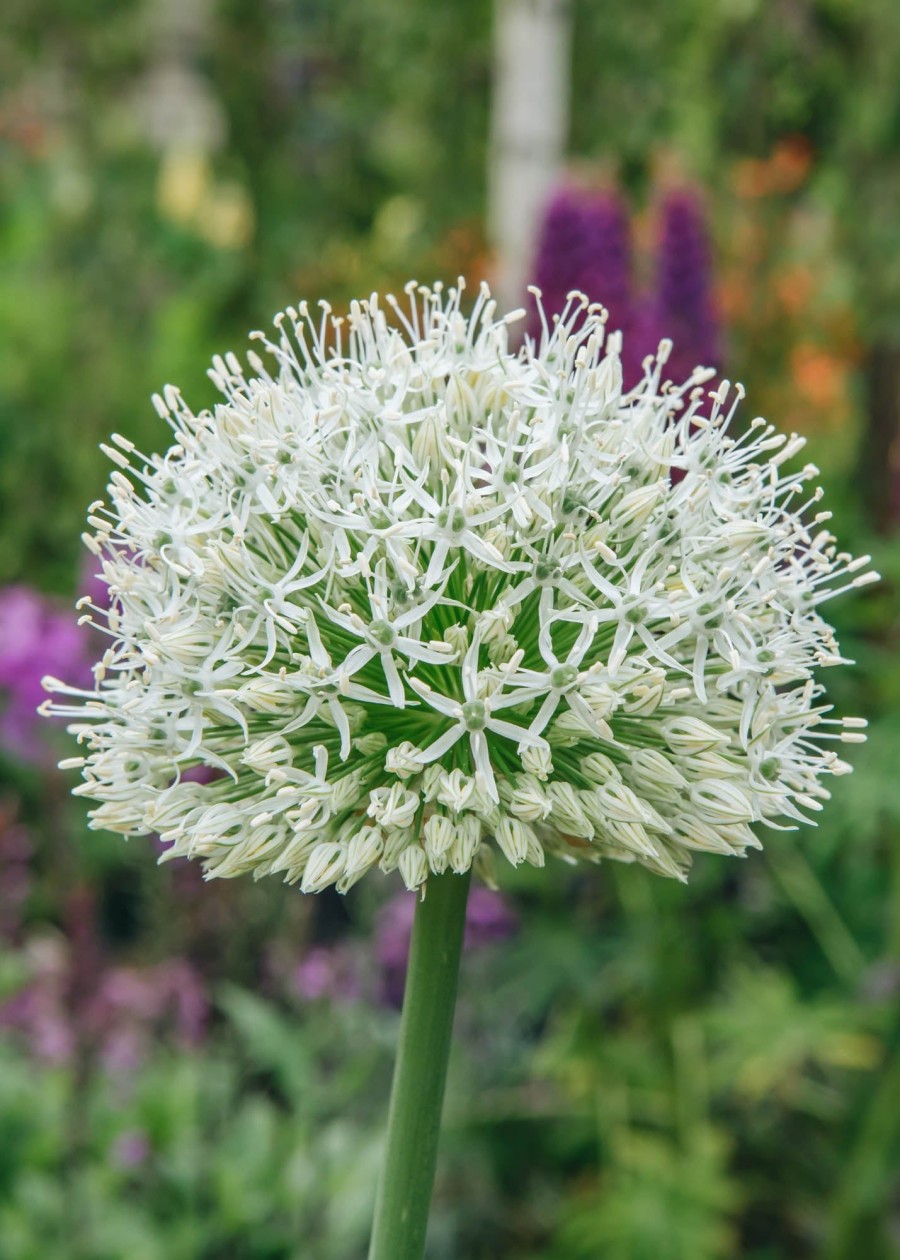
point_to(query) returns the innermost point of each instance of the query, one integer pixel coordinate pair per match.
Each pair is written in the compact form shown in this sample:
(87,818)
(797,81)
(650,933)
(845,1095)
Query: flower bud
(687,736)
(568,812)
(363,852)
(457,637)
(438,836)
(404,760)
(512,836)
(413,866)
(529,801)
(326,865)
(393,806)
(455,790)
(718,802)
(537,761)
(652,772)
(465,843)
(598,766)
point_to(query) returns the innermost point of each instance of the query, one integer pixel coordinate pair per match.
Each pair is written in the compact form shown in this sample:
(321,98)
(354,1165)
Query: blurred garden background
(643,1071)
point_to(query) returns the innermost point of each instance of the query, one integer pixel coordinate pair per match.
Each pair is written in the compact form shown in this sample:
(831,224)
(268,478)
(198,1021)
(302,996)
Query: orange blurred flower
(819,376)
(783,172)
(750,178)
(794,287)
(733,298)
(790,163)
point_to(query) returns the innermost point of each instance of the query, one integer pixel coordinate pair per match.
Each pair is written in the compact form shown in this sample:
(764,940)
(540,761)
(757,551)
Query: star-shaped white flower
(561,680)
(474,716)
(383,635)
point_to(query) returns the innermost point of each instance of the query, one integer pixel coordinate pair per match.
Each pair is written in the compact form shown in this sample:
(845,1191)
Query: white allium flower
(411,594)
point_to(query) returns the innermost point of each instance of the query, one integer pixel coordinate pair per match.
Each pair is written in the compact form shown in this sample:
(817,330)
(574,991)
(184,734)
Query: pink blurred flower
(328,972)
(38,1011)
(132,1005)
(131,1149)
(118,1017)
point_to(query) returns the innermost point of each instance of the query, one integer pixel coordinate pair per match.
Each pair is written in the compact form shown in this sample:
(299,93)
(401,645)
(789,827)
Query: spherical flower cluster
(417,598)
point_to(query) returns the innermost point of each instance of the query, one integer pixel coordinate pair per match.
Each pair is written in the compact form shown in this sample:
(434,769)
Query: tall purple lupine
(585,244)
(683,307)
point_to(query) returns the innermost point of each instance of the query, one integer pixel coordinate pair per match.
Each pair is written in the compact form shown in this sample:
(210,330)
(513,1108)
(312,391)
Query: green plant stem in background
(811,900)
(417,1093)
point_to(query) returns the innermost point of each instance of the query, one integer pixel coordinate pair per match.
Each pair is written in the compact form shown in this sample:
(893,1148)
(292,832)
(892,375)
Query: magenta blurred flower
(342,973)
(35,639)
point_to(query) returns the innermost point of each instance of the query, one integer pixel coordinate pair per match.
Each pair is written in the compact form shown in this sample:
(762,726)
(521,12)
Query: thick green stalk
(417,1094)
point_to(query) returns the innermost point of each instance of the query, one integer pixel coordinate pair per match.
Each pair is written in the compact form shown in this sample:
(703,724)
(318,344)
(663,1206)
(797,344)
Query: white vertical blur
(529,131)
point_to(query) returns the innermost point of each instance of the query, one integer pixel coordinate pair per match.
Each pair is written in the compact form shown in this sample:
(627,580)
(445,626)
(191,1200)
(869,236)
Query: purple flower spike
(585,244)
(684,309)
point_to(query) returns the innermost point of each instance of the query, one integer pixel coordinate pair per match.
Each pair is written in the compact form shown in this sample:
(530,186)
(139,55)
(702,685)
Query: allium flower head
(418,598)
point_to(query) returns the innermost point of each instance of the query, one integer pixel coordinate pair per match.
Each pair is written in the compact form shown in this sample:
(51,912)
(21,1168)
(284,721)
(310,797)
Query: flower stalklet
(417,598)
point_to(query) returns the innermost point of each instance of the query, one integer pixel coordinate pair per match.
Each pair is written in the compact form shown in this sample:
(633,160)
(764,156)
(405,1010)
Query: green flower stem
(417,1094)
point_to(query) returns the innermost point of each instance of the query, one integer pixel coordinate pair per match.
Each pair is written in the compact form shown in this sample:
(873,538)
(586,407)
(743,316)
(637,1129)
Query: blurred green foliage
(247,1151)
(646,1072)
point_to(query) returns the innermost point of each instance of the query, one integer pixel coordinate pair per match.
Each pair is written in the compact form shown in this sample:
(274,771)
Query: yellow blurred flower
(226,216)
(187,194)
(182,185)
